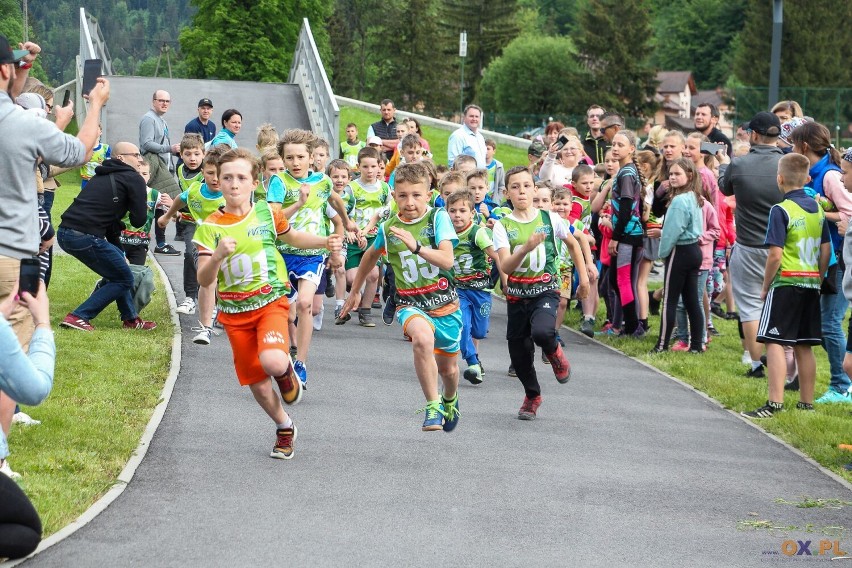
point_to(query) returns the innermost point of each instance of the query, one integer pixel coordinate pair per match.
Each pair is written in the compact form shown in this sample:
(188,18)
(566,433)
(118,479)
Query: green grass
(437,138)
(106,386)
(720,374)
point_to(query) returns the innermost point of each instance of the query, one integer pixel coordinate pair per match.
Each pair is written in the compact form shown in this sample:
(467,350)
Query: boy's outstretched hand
(534,241)
(406,237)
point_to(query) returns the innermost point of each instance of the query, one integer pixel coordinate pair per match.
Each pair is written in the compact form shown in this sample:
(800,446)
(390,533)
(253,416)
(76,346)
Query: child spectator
(267,138)
(647,163)
(679,246)
(496,173)
(799,252)
(410,152)
(464,165)
(320,156)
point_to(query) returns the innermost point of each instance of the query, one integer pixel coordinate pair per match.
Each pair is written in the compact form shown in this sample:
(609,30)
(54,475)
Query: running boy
(799,252)
(199,201)
(419,243)
(368,195)
(307,200)
(136,240)
(525,240)
(349,149)
(474,255)
(237,253)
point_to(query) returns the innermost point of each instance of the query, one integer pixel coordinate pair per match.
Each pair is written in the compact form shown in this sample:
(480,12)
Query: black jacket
(95,212)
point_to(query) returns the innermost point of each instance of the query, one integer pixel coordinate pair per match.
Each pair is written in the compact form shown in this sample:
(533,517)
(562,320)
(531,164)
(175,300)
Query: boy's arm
(579,265)
(824,256)
(304,191)
(510,261)
(442,257)
(591,269)
(337,203)
(177,205)
(305,240)
(773,263)
(209,263)
(335,260)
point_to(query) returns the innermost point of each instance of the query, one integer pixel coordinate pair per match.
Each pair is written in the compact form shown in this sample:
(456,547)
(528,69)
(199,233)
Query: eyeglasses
(164,101)
(49,107)
(135,155)
(595,115)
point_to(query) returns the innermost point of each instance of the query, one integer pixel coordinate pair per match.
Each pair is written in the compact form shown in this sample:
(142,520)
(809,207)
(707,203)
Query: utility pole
(462,55)
(26,22)
(775,58)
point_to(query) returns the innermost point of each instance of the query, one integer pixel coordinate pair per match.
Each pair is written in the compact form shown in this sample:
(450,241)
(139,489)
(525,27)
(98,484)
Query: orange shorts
(254,331)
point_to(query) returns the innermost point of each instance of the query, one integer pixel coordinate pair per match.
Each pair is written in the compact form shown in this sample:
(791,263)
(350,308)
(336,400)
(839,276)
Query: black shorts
(791,316)
(524,315)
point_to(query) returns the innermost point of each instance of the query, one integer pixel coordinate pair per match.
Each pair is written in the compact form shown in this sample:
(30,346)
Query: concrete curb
(713,401)
(139,454)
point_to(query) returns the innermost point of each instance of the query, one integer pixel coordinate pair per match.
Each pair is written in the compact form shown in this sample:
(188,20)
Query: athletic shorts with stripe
(791,316)
(447,328)
(255,331)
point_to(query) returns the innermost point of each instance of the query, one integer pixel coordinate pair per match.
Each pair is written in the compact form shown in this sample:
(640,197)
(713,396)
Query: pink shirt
(711,232)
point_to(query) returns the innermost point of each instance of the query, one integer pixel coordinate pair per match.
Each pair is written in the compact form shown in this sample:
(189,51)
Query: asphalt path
(623,467)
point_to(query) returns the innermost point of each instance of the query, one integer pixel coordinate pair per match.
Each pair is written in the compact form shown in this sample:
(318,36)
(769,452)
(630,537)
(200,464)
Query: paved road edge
(147,435)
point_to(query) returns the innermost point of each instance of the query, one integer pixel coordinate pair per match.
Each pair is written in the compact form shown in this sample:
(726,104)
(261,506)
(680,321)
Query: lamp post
(775,58)
(462,55)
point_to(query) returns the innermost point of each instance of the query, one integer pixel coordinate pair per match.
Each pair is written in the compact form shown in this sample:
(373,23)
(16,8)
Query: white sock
(286,424)
(339,303)
(756,364)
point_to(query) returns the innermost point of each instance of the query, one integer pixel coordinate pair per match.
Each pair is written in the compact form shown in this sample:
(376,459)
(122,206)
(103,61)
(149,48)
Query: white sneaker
(24,419)
(6,469)
(187,307)
(204,335)
(318,319)
(746,360)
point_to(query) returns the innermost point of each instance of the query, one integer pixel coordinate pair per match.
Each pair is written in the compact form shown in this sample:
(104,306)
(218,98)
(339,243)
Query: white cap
(374,140)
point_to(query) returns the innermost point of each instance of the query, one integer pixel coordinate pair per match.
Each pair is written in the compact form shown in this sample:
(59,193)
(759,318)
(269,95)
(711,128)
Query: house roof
(675,82)
(713,97)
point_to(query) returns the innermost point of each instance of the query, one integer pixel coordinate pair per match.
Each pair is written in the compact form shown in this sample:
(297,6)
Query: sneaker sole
(186,312)
(280,456)
(201,340)
(472,378)
(526,416)
(343,320)
(169,253)
(301,388)
(432,428)
(590,334)
(366,324)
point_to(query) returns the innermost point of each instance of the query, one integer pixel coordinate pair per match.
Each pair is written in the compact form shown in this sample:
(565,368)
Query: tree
(553,84)
(814,42)
(12,26)
(614,39)
(696,35)
(250,41)
(490,26)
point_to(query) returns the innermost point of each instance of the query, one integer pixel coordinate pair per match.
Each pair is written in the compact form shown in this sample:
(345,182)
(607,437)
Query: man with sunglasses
(158,149)
(89,232)
(594,144)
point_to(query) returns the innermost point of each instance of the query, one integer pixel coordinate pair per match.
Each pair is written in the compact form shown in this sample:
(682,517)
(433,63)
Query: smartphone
(67,98)
(711,148)
(92,69)
(561,141)
(28,280)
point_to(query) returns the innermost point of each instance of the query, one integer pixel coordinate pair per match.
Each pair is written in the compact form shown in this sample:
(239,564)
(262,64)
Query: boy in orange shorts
(236,250)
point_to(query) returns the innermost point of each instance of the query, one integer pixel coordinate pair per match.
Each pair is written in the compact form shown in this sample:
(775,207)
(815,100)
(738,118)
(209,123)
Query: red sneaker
(284,438)
(529,408)
(560,364)
(680,346)
(139,323)
(73,322)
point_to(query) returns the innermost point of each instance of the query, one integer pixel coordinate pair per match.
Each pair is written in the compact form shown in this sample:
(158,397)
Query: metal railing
(308,73)
(92,46)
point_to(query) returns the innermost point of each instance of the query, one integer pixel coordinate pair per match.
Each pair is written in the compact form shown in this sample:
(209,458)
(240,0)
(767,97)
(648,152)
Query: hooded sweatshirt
(95,212)
(26,138)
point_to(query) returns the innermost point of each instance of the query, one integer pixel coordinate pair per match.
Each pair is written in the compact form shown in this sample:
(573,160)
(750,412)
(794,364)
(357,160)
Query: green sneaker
(832,396)
(435,415)
(473,374)
(451,407)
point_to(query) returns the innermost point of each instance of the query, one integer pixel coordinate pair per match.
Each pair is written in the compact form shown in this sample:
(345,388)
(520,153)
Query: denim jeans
(106,260)
(682,324)
(833,309)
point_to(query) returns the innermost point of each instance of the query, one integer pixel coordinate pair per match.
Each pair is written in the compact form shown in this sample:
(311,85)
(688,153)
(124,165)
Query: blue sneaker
(434,416)
(451,407)
(832,396)
(302,373)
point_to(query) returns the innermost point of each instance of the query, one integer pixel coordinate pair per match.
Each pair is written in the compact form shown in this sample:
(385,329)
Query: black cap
(205,103)
(7,55)
(765,124)
(537,148)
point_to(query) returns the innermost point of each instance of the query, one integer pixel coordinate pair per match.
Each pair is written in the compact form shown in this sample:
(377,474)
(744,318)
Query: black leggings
(20,527)
(681,281)
(531,322)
